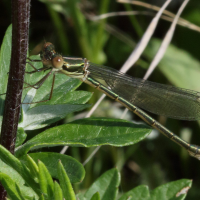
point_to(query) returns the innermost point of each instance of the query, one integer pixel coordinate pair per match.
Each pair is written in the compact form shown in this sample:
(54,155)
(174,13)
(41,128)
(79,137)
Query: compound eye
(57,62)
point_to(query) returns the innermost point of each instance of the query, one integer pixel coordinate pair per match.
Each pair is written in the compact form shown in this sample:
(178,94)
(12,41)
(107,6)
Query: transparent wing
(157,98)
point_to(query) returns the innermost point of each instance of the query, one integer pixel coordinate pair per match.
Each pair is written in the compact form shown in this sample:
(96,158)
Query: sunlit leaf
(88,132)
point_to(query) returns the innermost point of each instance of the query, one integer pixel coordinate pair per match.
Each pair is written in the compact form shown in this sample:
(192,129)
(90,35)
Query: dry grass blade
(137,51)
(181,22)
(95,106)
(169,16)
(165,43)
(163,47)
(144,41)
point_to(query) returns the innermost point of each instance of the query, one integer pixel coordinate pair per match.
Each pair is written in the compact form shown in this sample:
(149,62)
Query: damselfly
(131,92)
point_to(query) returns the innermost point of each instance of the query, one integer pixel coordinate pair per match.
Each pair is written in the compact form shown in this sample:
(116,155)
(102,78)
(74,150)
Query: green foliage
(107,185)
(36,177)
(166,191)
(76,174)
(88,132)
(67,189)
(40,185)
(5,55)
(85,132)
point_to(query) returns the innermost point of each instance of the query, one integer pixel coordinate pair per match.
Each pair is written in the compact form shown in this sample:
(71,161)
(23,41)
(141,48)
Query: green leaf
(170,191)
(21,136)
(75,173)
(139,193)
(57,192)
(173,190)
(65,184)
(10,186)
(88,132)
(80,196)
(10,159)
(42,197)
(34,170)
(66,99)
(42,116)
(19,192)
(45,180)
(73,97)
(96,196)
(62,86)
(34,77)
(5,55)
(107,185)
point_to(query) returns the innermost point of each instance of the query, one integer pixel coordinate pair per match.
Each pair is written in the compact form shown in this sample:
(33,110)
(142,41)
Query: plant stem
(20,21)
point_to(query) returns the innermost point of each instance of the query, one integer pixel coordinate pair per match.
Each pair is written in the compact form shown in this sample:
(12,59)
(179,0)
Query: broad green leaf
(80,196)
(75,173)
(45,181)
(173,190)
(107,185)
(177,65)
(5,55)
(42,116)
(62,86)
(88,132)
(57,192)
(68,192)
(139,193)
(21,136)
(33,78)
(73,97)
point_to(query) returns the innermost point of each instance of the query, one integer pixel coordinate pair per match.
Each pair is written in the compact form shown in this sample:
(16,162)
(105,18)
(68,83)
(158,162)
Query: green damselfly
(133,93)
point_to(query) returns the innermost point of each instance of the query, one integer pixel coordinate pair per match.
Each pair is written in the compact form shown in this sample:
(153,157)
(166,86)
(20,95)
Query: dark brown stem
(20,22)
